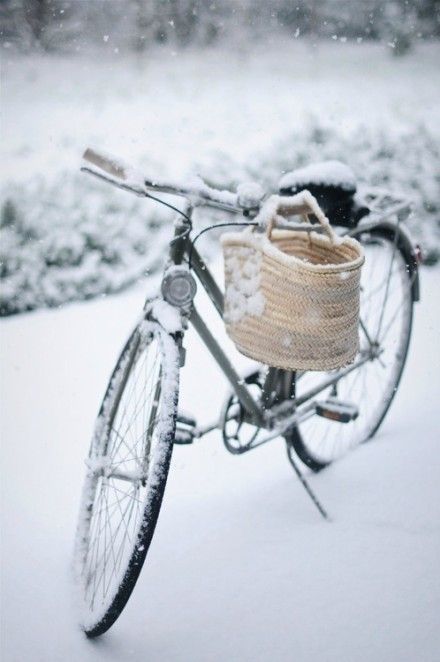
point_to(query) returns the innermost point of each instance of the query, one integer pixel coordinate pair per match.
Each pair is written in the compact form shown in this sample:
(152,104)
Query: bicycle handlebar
(108,163)
(116,172)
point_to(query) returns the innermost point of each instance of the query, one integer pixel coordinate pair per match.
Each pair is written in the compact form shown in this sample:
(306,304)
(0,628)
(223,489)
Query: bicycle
(138,422)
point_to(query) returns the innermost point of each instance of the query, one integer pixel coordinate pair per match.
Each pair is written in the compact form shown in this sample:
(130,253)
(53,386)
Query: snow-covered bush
(405,161)
(67,239)
(71,238)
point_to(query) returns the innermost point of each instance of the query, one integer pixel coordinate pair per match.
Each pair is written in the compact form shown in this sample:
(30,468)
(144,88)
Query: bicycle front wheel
(386,310)
(127,469)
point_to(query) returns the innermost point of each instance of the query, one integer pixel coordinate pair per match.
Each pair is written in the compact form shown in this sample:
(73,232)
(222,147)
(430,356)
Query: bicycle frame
(281,380)
(179,248)
(277,410)
(280,404)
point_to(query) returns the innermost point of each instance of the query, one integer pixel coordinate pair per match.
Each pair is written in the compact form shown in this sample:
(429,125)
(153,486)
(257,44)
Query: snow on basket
(292,297)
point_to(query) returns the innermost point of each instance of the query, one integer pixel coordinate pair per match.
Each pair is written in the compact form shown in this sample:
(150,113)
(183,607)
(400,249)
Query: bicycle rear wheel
(386,311)
(127,469)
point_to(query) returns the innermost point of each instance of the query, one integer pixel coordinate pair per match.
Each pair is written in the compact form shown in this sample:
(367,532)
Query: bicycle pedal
(186,420)
(185,429)
(335,410)
(183,437)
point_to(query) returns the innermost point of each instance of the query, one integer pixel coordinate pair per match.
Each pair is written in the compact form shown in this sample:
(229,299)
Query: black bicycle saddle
(333,184)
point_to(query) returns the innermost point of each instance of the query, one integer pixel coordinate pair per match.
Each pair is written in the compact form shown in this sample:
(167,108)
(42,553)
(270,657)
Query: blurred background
(233,90)
(136,25)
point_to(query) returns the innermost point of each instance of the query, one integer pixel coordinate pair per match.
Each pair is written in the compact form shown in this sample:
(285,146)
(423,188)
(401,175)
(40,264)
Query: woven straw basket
(292,297)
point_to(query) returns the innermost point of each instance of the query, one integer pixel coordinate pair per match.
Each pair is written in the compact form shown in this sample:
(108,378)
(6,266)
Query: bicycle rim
(386,314)
(127,469)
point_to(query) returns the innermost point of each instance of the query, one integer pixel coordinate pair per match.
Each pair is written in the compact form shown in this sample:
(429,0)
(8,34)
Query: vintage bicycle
(320,415)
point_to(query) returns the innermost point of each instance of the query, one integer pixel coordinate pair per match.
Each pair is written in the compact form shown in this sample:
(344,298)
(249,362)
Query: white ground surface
(241,568)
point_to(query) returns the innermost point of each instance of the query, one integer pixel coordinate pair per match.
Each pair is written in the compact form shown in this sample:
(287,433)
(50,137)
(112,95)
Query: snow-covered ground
(241,568)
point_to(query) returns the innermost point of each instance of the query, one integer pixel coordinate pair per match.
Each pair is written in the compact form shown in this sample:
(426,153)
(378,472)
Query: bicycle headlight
(178,287)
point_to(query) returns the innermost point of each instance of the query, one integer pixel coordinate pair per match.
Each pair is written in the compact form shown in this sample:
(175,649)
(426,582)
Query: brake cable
(186,232)
(179,211)
(213,227)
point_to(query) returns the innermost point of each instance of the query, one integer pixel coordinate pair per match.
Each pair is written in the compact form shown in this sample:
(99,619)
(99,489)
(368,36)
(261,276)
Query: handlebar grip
(107,163)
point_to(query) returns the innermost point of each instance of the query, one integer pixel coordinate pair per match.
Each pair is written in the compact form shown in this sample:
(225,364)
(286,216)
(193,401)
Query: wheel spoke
(385,326)
(119,502)
(385,297)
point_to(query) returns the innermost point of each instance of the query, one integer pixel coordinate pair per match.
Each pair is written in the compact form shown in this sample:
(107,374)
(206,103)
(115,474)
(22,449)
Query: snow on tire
(127,469)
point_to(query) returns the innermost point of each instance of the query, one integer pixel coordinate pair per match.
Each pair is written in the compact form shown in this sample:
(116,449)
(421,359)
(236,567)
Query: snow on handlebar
(116,172)
(249,200)
(109,164)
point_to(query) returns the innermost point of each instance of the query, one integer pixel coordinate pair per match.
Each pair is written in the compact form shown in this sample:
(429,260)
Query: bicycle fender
(405,244)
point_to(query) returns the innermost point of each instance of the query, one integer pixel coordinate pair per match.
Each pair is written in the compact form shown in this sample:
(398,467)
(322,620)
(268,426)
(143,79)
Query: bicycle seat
(333,184)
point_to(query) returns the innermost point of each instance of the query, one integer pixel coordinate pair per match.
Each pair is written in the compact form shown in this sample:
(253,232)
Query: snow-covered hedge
(405,161)
(71,238)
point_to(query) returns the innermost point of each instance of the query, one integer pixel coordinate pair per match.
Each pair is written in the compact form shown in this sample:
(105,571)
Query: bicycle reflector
(178,287)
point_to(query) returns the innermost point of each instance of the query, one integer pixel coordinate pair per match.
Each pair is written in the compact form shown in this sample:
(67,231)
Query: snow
(167,315)
(98,464)
(199,189)
(249,194)
(274,206)
(250,114)
(195,188)
(242,266)
(170,385)
(253,244)
(327,173)
(241,568)
(87,615)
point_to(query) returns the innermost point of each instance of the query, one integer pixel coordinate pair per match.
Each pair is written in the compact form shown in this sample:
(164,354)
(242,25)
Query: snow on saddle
(333,184)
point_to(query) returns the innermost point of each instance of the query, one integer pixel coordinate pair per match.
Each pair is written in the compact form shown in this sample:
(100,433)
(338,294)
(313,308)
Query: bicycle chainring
(238,434)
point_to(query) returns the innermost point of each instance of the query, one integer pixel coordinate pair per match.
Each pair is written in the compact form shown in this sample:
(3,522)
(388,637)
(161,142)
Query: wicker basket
(292,297)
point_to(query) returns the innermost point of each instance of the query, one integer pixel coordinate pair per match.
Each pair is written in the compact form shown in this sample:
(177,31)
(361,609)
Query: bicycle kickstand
(309,490)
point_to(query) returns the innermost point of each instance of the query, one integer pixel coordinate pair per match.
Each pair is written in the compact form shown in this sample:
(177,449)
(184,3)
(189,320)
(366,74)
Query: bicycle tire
(106,464)
(301,440)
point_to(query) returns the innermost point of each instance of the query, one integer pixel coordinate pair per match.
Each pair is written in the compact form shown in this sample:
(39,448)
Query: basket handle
(302,204)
